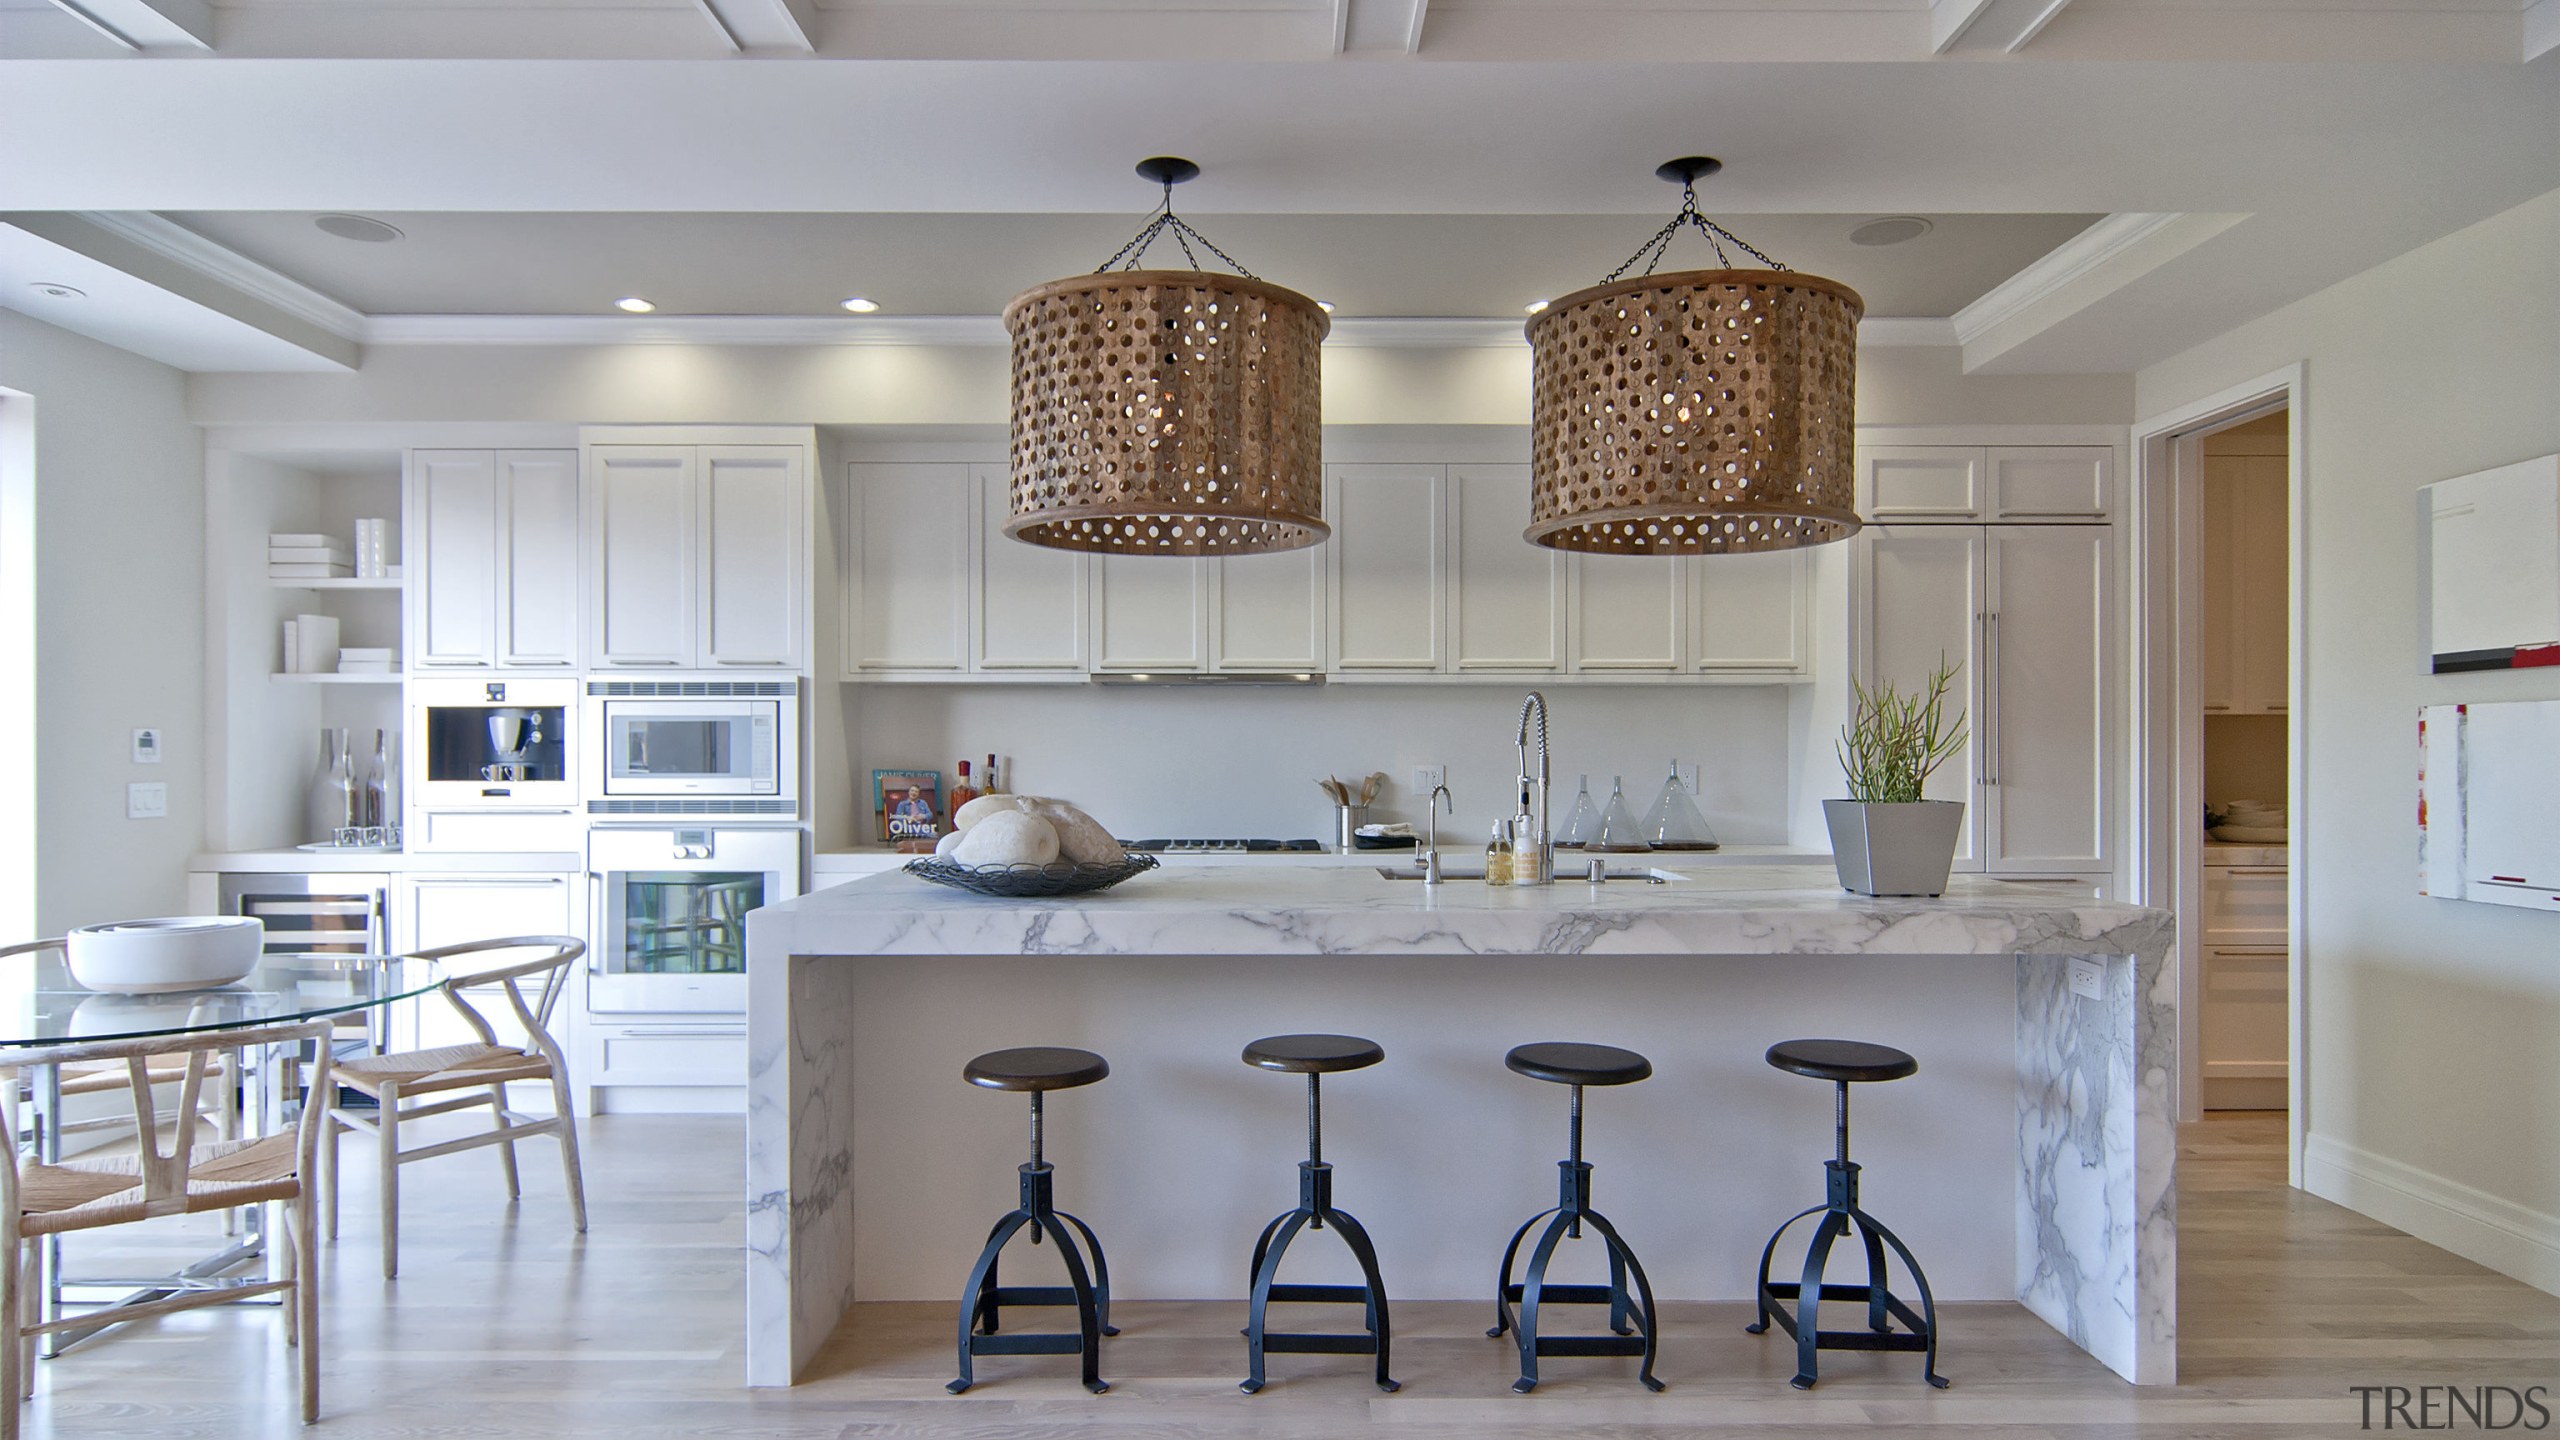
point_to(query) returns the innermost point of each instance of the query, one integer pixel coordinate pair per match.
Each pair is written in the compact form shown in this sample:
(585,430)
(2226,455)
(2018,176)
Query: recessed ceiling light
(58,290)
(860,306)
(1534,306)
(358,227)
(1325,305)
(634,304)
(1891,230)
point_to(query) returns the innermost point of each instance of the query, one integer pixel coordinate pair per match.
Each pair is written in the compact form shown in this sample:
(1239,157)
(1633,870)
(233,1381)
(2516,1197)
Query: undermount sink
(1617,874)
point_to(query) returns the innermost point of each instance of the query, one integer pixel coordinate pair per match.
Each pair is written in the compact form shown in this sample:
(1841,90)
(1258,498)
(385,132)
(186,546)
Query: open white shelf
(332,677)
(339,582)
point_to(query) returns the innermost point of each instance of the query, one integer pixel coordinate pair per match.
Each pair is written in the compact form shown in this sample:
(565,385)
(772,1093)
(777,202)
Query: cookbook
(907,804)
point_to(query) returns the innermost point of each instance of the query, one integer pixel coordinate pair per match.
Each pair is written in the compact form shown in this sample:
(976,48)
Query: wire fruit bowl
(1029,882)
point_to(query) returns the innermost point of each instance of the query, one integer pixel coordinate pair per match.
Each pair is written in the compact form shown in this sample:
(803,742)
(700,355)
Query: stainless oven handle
(654,1032)
(595,922)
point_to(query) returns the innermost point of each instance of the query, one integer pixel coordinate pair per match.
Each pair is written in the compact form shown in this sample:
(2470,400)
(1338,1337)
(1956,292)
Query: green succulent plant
(1895,740)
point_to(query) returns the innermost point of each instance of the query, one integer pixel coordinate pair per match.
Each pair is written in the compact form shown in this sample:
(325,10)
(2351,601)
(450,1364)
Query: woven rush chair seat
(446,1067)
(85,1194)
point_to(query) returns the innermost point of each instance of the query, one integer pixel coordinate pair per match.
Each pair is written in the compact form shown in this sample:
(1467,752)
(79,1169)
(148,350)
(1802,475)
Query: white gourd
(1007,837)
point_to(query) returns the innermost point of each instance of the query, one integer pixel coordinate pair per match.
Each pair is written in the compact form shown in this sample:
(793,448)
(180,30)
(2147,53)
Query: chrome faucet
(1533,784)
(1431,824)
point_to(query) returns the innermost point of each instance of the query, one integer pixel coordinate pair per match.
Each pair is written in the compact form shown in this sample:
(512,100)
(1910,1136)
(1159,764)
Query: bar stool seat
(1313,1054)
(1844,1063)
(1036,1067)
(1854,1061)
(1633,1325)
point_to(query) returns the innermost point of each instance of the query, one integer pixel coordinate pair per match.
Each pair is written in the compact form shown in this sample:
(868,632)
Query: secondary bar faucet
(1431,823)
(1534,847)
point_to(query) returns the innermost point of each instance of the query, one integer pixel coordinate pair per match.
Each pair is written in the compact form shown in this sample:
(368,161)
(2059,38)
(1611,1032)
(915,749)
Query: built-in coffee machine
(479,745)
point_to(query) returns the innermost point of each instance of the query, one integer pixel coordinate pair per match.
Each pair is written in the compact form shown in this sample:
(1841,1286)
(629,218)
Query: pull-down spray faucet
(1534,849)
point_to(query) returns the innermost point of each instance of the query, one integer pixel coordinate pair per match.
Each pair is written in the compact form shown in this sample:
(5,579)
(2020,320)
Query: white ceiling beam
(2083,271)
(1978,27)
(1393,26)
(774,27)
(2541,28)
(147,24)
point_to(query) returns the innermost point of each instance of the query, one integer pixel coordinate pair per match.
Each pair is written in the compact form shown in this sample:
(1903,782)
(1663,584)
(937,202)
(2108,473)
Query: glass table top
(40,1004)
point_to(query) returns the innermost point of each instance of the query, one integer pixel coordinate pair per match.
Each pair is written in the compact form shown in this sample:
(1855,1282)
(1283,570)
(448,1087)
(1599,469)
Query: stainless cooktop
(1189,845)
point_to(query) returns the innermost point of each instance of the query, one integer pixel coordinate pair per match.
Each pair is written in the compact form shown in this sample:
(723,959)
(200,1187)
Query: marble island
(2030,1158)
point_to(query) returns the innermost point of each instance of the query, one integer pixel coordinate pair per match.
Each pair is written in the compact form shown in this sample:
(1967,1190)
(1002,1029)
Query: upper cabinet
(1427,574)
(2243,621)
(493,547)
(2042,484)
(698,556)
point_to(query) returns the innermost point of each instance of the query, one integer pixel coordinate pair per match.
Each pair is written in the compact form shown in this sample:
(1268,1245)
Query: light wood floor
(502,1324)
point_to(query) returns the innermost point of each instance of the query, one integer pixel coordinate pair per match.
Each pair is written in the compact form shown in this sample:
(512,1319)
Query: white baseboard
(2474,1224)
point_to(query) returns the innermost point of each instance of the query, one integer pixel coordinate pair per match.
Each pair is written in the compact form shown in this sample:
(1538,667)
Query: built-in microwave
(693,747)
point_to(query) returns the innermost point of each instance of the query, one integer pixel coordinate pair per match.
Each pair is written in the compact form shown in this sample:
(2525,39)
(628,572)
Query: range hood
(1208,677)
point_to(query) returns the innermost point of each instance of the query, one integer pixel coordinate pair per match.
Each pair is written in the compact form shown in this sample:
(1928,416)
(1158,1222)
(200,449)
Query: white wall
(1224,762)
(2433,1026)
(119,644)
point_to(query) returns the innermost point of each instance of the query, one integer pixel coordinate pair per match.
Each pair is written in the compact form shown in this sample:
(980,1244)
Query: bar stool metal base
(1088,1288)
(1839,1214)
(1632,1320)
(1315,1211)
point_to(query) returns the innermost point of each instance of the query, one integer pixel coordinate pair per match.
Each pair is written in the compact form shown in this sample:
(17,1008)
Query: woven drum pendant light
(1167,412)
(1697,411)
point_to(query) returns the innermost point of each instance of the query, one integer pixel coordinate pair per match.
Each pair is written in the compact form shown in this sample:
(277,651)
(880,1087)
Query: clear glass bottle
(1618,829)
(962,792)
(336,797)
(377,783)
(1674,822)
(987,783)
(1497,855)
(1581,822)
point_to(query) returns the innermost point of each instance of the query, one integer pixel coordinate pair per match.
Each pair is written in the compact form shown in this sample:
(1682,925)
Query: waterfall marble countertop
(1333,910)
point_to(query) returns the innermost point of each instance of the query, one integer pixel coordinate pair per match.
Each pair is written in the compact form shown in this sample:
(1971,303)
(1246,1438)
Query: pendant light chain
(1165,222)
(1652,251)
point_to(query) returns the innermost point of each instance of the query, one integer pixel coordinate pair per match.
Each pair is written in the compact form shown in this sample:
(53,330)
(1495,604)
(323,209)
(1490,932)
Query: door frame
(2166,500)
(19,862)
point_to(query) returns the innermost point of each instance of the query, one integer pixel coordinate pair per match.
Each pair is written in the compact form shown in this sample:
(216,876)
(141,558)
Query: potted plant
(1885,838)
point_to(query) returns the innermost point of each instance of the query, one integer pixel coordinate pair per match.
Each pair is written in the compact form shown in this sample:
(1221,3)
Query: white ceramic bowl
(150,957)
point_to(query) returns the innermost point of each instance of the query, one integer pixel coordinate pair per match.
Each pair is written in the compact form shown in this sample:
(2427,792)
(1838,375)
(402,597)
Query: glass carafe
(1674,822)
(1582,822)
(1617,829)
(336,798)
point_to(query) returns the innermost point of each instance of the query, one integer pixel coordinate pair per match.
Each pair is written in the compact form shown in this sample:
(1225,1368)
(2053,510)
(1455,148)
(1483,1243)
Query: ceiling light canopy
(1167,412)
(1697,411)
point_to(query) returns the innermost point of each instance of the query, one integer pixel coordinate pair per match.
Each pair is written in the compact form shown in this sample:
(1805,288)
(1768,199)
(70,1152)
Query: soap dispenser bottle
(1497,855)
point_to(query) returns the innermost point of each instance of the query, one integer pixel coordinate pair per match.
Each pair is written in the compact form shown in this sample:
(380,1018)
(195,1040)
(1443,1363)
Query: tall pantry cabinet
(2000,560)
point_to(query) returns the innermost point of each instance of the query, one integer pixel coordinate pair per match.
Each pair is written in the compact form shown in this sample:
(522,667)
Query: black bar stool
(1844,1063)
(1631,1319)
(1037,1069)
(1315,1056)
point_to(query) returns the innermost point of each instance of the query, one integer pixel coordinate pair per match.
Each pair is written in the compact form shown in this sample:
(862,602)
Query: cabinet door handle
(1990,693)
(2217,705)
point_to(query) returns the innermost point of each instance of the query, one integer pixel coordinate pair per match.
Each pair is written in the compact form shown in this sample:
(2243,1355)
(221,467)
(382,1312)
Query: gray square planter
(1904,849)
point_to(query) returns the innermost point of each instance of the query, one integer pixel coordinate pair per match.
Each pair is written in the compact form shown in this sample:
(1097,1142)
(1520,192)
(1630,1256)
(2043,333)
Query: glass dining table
(42,1006)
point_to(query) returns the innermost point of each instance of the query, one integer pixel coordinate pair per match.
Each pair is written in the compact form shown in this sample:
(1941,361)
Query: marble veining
(2096,1239)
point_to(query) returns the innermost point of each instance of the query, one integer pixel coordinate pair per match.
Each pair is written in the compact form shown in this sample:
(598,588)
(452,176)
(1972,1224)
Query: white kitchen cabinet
(1386,566)
(910,538)
(1920,601)
(1267,612)
(1150,612)
(1958,484)
(2046,792)
(537,566)
(1505,596)
(2244,622)
(1750,612)
(1031,599)
(1627,612)
(493,549)
(641,514)
(431,910)
(754,556)
(698,556)
(2243,1028)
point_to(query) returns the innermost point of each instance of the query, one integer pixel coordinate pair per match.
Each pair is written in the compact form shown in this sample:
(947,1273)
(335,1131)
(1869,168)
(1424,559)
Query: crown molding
(181,246)
(2057,269)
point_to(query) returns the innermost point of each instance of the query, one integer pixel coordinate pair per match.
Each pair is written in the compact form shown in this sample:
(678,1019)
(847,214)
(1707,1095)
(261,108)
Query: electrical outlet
(2085,975)
(1427,778)
(146,801)
(146,747)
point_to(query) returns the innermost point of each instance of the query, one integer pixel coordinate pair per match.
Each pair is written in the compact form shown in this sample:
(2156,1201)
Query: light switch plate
(1427,778)
(146,747)
(148,800)
(2085,975)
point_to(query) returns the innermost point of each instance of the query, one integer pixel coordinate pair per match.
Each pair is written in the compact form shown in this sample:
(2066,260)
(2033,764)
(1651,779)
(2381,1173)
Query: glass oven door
(672,908)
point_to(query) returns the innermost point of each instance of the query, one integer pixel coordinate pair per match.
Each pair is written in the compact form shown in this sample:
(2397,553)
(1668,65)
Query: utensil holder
(1347,820)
